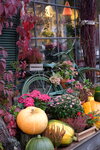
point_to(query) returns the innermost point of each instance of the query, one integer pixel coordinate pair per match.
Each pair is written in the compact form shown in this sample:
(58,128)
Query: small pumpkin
(92,106)
(39,143)
(32,120)
(69,131)
(97,94)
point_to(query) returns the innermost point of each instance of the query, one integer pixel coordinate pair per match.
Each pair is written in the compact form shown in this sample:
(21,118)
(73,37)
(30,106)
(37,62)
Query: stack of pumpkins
(34,121)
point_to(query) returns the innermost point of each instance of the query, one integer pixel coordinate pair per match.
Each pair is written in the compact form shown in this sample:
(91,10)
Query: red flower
(79,113)
(91,116)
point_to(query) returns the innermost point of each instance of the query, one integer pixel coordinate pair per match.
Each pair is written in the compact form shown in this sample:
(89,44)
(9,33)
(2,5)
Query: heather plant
(82,121)
(78,123)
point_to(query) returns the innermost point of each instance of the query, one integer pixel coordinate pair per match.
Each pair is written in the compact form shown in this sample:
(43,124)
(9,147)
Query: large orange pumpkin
(32,120)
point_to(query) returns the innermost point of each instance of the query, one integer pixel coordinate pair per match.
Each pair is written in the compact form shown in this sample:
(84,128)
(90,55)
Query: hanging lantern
(67,11)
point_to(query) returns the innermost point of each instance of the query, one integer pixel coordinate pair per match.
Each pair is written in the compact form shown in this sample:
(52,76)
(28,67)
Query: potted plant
(65,71)
(34,98)
(64,106)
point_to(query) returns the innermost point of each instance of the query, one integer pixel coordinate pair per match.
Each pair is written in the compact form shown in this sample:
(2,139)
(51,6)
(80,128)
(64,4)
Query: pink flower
(67,63)
(28,104)
(21,100)
(29,101)
(72,80)
(78,85)
(34,97)
(72,68)
(69,90)
(44,97)
(35,93)
(68,80)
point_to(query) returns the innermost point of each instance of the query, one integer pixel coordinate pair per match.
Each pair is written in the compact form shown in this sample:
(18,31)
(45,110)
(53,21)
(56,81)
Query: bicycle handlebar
(68,51)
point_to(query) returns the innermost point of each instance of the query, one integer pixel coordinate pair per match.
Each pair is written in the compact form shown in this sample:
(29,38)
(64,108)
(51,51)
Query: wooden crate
(86,133)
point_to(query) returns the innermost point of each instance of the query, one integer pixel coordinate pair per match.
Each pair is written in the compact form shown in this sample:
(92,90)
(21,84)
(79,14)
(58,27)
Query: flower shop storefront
(46,103)
(58,28)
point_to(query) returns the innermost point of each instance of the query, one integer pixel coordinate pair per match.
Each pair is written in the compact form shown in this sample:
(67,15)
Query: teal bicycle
(39,80)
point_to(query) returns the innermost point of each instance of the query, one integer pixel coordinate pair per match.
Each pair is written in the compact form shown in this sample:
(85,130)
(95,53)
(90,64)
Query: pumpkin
(92,106)
(39,143)
(32,120)
(69,131)
(97,94)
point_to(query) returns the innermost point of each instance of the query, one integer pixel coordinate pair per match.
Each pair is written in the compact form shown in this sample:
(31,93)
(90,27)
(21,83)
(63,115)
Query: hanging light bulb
(49,12)
(67,11)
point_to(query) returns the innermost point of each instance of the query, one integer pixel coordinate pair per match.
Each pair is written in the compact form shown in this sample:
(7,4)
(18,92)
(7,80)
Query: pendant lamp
(67,11)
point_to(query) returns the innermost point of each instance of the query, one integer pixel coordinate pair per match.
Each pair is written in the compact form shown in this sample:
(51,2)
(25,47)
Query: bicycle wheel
(38,82)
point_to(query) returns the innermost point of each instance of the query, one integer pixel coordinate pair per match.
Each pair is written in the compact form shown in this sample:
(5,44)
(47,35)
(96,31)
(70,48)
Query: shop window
(59,26)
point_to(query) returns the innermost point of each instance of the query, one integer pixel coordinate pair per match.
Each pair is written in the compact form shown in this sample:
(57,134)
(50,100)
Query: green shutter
(8,40)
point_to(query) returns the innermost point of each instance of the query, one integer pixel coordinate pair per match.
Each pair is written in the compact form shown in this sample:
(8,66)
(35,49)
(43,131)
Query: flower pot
(63,83)
(86,133)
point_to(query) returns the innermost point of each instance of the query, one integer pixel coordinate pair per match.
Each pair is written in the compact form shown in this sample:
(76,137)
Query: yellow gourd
(92,106)
(69,131)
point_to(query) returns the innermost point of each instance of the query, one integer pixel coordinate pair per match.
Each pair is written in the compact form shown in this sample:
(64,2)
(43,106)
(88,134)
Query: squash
(97,94)
(69,134)
(32,120)
(92,106)
(39,143)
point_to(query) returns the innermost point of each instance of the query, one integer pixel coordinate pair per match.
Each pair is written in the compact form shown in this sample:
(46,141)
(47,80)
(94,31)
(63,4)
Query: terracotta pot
(63,83)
